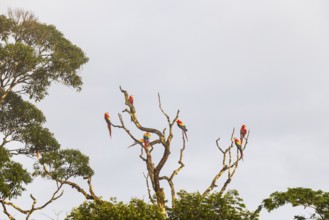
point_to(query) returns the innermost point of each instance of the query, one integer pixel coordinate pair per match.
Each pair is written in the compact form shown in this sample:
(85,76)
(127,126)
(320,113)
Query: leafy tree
(113,210)
(213,206)
(33,55)
(305,197)
(188,206)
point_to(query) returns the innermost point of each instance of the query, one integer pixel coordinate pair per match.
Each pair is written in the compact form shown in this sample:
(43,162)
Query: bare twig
(148,188)
(182,165)
(217,143)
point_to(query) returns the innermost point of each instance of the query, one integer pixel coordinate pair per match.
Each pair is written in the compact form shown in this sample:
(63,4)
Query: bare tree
(164,139)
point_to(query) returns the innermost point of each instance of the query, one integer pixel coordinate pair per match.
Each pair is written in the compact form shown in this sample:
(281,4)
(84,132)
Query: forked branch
(28,212)
(229,165)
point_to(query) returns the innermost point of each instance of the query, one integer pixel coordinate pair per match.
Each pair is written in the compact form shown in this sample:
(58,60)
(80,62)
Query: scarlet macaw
(182,126)
(239,146)
(243,132)
(131,100)
(108,121)
(146,139)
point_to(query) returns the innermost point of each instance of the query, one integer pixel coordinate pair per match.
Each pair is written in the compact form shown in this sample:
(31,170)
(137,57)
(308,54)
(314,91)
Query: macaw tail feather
(241,151)
(184,134)
(132,145)
(110,130)
(242,137)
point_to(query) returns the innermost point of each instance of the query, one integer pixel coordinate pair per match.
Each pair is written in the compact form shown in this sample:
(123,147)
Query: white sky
(222,63)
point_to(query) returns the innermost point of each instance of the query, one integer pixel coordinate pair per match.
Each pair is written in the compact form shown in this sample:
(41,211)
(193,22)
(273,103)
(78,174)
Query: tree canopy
(318,201)
(33,55)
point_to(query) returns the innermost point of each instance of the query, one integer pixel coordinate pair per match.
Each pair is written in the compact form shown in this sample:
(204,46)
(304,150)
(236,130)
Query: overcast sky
(222,64)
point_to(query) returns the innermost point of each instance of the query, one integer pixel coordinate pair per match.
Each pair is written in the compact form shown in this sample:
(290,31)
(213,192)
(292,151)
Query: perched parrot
(182,126)
(146,139)
(108,121)
(239,146)
(131,100)
(139,141)
(243,132)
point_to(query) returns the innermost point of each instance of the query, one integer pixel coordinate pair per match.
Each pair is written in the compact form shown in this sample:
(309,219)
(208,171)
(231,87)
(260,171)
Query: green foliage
(22,122)
(188,206)
(33,55)
(5,25)
(191,206)
(317,200)
(12,176)
(64,164)
(113,210)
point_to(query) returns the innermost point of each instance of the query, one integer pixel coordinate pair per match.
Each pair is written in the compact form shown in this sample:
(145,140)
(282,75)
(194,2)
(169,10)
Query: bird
(137,142)
(131,100)
(131,103)
(182,126)
(243,132)
(108,121)
(239,146)
(146,139)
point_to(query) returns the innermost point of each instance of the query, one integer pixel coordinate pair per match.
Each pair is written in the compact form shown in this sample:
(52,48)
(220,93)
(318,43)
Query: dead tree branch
(90,196)
(5,211)
(217,144)
(28,212)
(229,165)
(148,188)
(174,173)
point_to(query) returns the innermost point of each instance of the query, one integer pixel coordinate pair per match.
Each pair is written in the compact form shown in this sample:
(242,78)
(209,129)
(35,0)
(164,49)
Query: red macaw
(182,126)
(108,121)
(131,100)
(137,142)
(243,132)
(146,138)
(239,146)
